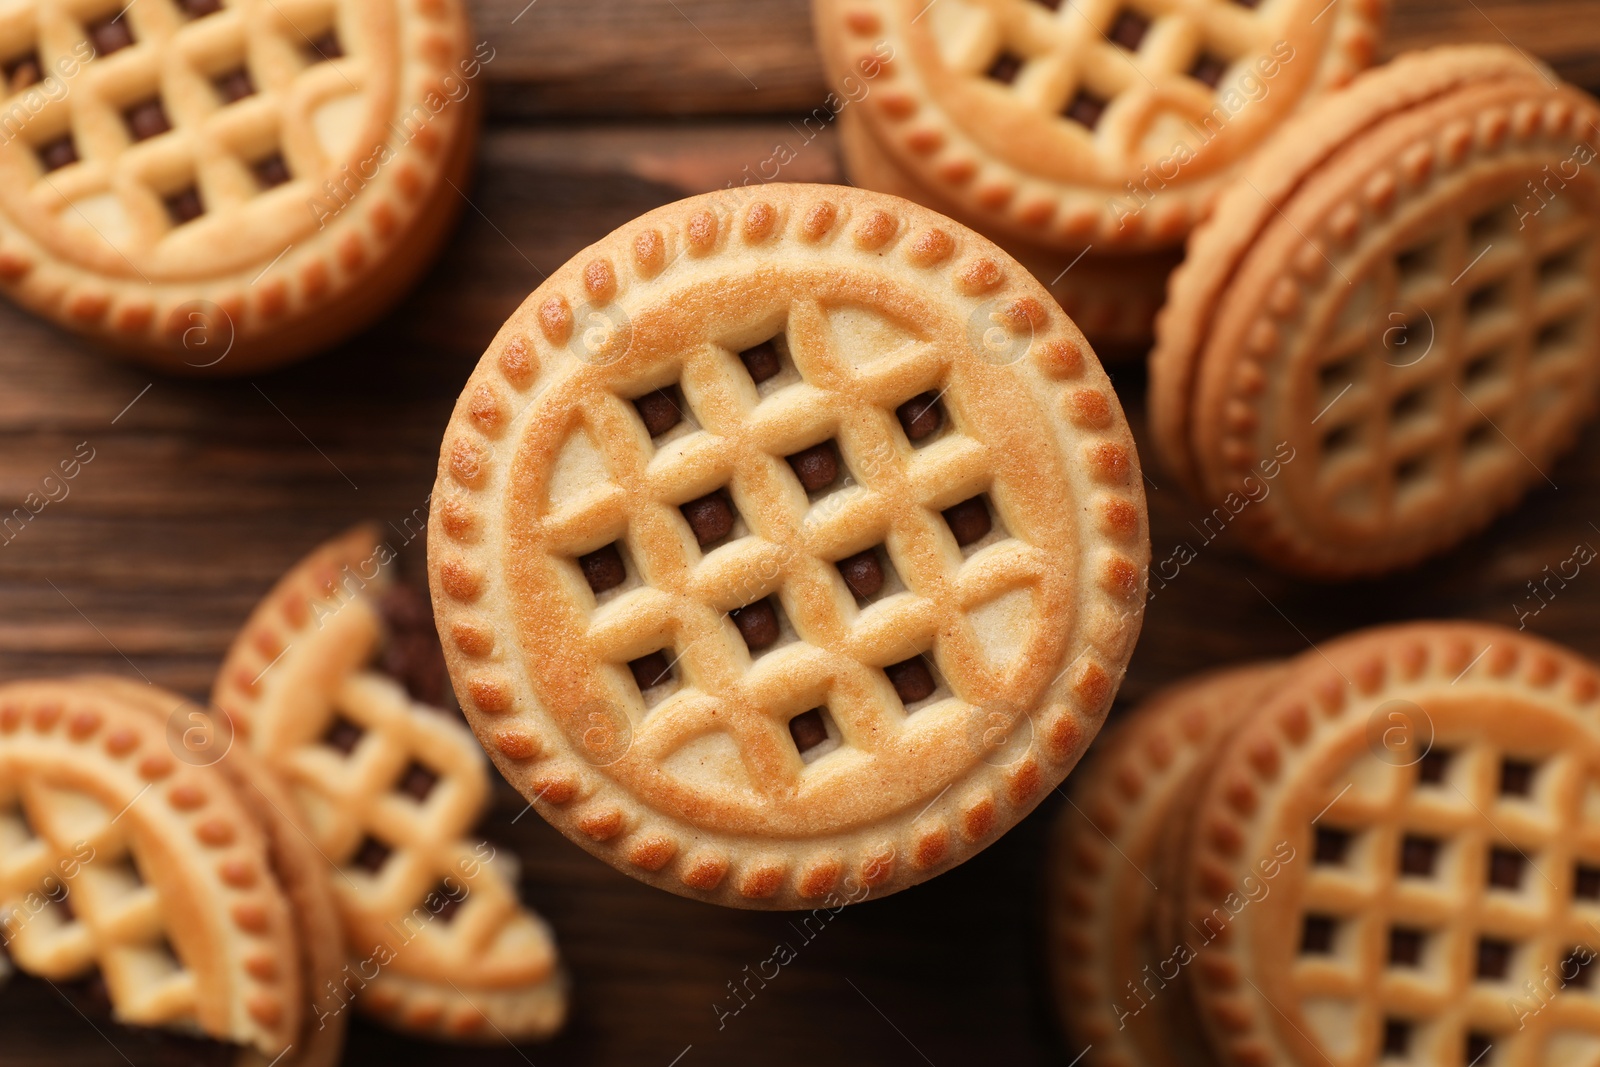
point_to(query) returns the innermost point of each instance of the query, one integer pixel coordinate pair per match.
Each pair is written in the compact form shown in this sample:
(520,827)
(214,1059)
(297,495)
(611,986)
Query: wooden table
(200,494)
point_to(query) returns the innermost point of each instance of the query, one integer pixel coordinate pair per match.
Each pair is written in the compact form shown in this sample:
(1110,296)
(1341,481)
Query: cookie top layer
(190,164)
(1382,298)
(1108,863)
(116,856)
(1092,122)
(759,516)
(1431,786)
(391,791)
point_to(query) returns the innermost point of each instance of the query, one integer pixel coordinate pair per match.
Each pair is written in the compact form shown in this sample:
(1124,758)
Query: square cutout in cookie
(1420,263)
(1128,29)
(1586,881)
(769,365)
(199,9)
(1419,856)
(870,575)
(1412,405)
(234,85)
(923,418)
(110,34)
(1516,777)
(1396,1039)
(146,119)
(57,153)
(970,522)
(1052,5)
(1332,847)
(185,205)
(818,468)
(1506,869)
(1005,68)
(1334,379)
(1561,267)
(1208,69)
(1487,300)
(1318,934)
(417,781)
(1477,1051)
(21,72)
(713,519)
(371,854)
(1575,970)
(763,626)
(1496,223)
(1086,109)
(343,735)
(656,676)
(442,902)
(609,571)
(1406,946)
(324,46)
(1413,473)
(1483,371)
(915,681)
(1555,338)
(814,734)
(1433,766)
(272,171)
(1493,960)
(662,411)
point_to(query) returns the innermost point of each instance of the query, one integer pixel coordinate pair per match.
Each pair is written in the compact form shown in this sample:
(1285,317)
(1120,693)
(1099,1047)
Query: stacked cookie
(1099,129)
(763,525)
(1395,302)
(1382,851)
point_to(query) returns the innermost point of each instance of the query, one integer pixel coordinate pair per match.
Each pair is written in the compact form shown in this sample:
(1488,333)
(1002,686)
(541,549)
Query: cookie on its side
(788,545)
(216,188)
(333,683)
(1432,785)
(1120,979)
(174,890)
(1394,306)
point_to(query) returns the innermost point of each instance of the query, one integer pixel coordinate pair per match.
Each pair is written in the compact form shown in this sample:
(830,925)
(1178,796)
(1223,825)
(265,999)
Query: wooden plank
(200,494)
(558,59)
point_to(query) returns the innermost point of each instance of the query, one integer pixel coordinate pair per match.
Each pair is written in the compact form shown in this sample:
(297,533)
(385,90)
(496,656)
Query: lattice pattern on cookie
(391,790)
(1084,59)
(1486,338)
(186,107)
(760,545)
(1434,898)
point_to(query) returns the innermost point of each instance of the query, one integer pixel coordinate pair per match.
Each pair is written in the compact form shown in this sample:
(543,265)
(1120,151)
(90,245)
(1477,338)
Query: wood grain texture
(200,494)
(591,58)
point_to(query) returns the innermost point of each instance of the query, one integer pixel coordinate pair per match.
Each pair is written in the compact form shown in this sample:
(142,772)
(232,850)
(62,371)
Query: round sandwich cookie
(337,683)
(1112,973)
(1109,124)
(1394,309)
(787,546)
(1396,860)
(169,899)
(220,186)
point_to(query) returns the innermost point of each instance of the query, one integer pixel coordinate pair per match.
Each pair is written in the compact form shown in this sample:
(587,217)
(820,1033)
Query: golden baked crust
(390,791)
(1113,299)
(1426,792)
(1109,958)
(1396,211)
(176,896)
(857,303)
(1096,122)
(316,140)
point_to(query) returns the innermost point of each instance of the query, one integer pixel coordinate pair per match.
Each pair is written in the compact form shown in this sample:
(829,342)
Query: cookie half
(1396,858)
(216,188)
(787,546)
(1111,123)
(390,789)
(1116,977)
(161,882)
(1390,317)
